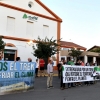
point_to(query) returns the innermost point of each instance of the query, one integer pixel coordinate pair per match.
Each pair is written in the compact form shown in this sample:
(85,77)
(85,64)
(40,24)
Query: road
(40,92)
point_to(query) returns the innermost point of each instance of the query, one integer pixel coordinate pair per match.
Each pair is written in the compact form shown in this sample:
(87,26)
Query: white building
(22,21)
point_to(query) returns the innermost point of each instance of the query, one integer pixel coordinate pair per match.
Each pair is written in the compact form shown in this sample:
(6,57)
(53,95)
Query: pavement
(40,92)
(55,73)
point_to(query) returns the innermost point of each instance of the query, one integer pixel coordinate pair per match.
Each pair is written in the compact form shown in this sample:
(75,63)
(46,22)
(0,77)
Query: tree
(2,46)
(75,53)
(97,50)
(45,48)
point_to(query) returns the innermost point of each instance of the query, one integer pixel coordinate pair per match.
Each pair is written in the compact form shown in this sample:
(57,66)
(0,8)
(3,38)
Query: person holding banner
(59,65)
(79,63)
(71,62)
(62,85)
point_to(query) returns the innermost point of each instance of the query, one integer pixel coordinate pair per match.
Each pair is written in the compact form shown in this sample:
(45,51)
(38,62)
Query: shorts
(41,68)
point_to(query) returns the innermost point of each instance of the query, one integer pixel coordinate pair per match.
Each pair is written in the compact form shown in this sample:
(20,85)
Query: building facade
(88,56)
(22,21)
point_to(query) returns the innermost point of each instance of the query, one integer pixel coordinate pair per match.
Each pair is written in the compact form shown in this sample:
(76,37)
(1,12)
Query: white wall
(24,4)
(24,50)
(21,24)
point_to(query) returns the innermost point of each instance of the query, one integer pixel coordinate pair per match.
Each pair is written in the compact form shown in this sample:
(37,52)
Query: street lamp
(30,43)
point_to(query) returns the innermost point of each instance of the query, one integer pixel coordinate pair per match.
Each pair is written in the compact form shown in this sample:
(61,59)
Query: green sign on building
(32,18)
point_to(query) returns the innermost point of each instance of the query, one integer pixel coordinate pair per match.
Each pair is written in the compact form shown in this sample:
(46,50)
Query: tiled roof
(93,47)
(71,45)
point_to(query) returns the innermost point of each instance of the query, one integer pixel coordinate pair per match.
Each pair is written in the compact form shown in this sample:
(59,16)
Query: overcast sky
(81,20)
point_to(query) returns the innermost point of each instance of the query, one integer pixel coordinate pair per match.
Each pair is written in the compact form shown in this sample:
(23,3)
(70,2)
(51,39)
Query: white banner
(77,73)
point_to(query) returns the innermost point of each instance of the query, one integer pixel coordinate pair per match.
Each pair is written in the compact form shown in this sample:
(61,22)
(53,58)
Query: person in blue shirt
(52,63)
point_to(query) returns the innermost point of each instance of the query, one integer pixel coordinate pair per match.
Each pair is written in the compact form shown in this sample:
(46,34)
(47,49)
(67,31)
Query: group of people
(71,62)
(50,64)
(40,63)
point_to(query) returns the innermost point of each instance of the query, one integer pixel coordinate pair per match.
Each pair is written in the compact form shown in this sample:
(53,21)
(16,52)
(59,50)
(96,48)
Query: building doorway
(81,58)
(9,55)
(90,60)
(63,58)
(98,61)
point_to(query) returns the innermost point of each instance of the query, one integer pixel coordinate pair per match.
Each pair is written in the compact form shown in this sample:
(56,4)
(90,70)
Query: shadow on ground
(40,92)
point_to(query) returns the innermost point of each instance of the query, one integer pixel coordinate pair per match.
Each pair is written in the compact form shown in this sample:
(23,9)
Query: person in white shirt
(37,66)
(50,75)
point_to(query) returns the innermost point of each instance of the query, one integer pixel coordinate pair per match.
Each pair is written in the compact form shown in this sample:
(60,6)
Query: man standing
(18,59)
(62,85)
(29,60)
(71,62)
(37,66)
(42,63)
(59,65)
(50,75)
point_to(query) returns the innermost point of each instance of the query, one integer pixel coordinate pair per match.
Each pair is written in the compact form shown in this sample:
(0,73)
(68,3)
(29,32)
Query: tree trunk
(1,54)
(46,63)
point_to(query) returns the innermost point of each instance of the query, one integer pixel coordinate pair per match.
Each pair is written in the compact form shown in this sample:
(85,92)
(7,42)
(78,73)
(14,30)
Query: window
(10,25)
(29,31)
(45,30)
(9,55)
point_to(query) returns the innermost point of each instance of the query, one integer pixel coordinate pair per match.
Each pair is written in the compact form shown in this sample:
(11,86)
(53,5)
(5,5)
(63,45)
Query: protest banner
(16,76)
(77,73)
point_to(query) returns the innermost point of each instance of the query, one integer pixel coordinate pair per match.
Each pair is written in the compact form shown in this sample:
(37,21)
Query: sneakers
(62,88)
(51,87)
(48,87)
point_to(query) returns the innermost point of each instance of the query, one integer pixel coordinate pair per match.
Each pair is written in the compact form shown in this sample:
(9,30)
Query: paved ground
(40,92)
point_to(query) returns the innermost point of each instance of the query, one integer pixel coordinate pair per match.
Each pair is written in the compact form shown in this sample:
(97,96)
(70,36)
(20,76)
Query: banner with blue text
(16,76)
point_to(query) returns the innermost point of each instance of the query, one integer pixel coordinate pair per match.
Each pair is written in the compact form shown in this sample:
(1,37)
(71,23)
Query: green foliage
(96,50)
(75,53)
(2,44)
(46,47)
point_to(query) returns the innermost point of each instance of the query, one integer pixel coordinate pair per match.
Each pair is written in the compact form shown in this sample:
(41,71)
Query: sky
(81,20)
